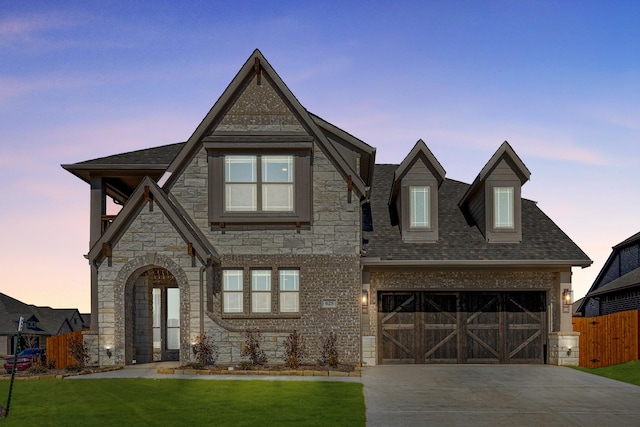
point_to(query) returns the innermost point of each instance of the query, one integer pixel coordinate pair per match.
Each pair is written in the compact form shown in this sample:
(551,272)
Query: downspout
(202,270)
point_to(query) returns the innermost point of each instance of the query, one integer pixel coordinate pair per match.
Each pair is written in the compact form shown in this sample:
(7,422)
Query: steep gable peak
(232,113)
(506,152)
(420,151)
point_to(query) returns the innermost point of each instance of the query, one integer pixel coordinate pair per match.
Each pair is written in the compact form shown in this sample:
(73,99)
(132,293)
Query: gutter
(377,262)
(202,270)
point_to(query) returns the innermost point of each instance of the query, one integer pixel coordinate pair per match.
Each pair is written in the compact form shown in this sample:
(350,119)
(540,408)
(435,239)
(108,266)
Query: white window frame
(267,192)
(261,291)
(503,208)
(415,220)
(232,291)
(289,288)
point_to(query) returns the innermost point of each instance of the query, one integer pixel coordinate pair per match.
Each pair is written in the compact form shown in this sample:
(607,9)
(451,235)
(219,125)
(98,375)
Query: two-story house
(269,217)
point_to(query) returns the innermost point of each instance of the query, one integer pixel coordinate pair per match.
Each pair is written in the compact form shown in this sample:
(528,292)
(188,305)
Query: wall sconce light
(365,300)
(567,300)
(569,352)
(108,351)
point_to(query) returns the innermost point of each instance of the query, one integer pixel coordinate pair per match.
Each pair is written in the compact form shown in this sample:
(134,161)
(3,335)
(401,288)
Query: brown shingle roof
(459,238)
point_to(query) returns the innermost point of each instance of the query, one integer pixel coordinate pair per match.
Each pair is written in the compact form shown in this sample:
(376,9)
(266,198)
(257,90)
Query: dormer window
(503,208)
(420,216)
(413,202)
(494,200)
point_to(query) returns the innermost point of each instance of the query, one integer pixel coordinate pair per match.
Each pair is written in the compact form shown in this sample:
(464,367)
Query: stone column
(98,207)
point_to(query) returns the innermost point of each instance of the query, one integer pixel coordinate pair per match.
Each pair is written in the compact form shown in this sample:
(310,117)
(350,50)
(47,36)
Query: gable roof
(504,151)
(629,280)
(367,153)
(127,169)
(419,150)
(257,63)
(178,217)
(459,243)
(50,321)
(595,288)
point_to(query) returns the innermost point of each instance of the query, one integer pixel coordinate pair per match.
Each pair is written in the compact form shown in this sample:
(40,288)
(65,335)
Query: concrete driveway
(496,395)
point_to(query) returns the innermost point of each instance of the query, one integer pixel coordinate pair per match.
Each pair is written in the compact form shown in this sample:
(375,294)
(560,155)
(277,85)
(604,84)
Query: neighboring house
(617,286)
(39,323)
(269,217)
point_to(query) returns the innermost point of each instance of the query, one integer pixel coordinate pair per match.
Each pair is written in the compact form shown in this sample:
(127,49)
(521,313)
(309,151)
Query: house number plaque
(329,303)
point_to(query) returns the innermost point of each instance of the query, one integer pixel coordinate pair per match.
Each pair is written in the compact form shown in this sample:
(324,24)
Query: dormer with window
(413,202)
(494,199)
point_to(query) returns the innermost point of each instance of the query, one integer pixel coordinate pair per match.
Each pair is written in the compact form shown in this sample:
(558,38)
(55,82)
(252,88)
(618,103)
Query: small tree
(205,350)
(251,347)
(295,350)
(329,351)
(78,350)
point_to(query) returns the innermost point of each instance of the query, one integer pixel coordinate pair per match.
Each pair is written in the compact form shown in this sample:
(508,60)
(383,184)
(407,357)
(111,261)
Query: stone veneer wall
(479,280)
(151,241)
(327,253)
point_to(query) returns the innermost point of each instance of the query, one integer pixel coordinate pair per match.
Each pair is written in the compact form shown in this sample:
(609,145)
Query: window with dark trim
(232,291)
(419,215)
(258,183)
(289,291)
(418,206)
(503,207)
(269,184)
(261,291)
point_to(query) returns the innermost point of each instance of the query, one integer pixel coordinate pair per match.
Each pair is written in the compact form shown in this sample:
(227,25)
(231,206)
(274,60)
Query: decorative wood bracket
(192,253)
(107,252)
(148,197)
(349,188)
(258,69)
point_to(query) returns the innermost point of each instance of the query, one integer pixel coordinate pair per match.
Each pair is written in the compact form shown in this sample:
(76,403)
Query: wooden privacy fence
(58,349)
(608,340)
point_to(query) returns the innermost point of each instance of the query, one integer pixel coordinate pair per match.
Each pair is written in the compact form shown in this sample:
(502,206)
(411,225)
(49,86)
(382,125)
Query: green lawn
(627,372)
(170,402)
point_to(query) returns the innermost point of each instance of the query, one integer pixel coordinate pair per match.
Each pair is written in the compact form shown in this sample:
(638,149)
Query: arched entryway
(155,326)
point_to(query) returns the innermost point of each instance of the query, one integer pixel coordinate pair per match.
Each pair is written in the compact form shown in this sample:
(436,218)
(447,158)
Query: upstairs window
(503,208)
(419,216)
(232,291)
(262,183)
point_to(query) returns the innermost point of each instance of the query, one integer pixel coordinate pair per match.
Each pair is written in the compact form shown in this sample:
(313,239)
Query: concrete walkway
(496,395)
(466,395)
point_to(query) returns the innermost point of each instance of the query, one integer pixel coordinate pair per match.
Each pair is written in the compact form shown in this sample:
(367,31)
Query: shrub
(295,350)
(205,350)
(329,351)
(37,368)
(74,368)
(194,365)
(78,350)
(251,347)
(245,365)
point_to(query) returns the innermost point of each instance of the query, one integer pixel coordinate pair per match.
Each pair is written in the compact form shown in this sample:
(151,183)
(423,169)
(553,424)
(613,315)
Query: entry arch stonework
(124,284)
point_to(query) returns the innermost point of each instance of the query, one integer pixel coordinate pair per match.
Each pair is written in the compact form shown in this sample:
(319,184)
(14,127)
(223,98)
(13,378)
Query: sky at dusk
(559,80)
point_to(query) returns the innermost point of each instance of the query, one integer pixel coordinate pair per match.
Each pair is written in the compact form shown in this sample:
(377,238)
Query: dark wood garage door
(462,327)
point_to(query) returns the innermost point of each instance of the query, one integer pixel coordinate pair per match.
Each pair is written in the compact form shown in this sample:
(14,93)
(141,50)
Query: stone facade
(326,254)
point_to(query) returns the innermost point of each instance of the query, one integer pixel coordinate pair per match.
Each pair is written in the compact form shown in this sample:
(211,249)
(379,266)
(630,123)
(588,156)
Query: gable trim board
(344,248)
(191,234)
